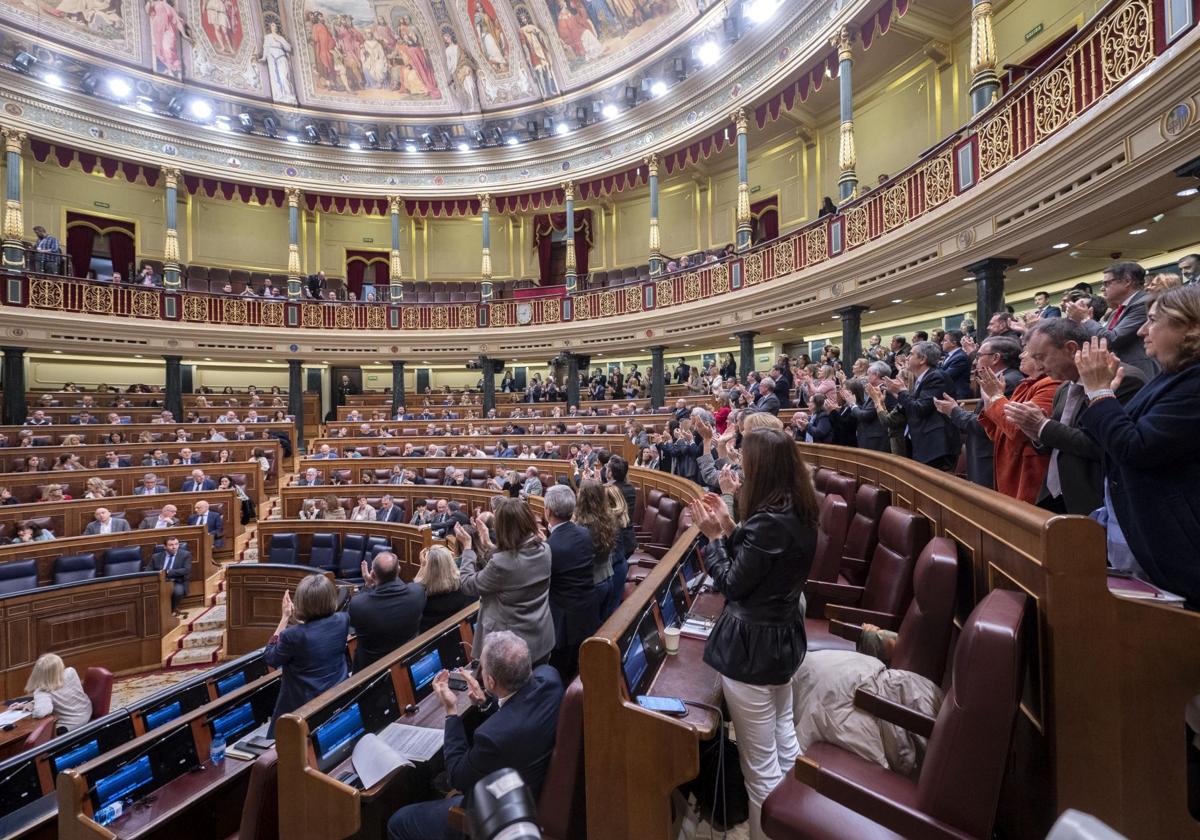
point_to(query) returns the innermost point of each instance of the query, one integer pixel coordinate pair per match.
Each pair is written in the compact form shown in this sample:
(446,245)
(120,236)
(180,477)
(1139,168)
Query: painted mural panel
(108,26)
(226,44)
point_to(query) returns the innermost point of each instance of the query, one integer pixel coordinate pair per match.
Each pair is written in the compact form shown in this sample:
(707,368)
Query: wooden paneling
(617,444)
(408,541)
(370,403)
(253,602)
(96,432)
(405,495)
(116,623)
(240,403)
(27,487)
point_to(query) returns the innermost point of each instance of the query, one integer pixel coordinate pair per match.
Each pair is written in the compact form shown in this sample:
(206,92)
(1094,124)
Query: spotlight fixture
(145,105)
(732,32)
(174,105)
(609,111)
(119,87)
(1188,193)
(581,115)
(1137,231)
(53,79)
(245,122)
(372,138)
(464,146)
(548,125)
(201,109)
(658,88)
(24,62)
(497,136)
(392,140)
(679,67)
(311,134)
(1025,268)
(89,83)
(292,138)
(512,140)
(332,134)
(270,127)
(427,139)
(354,146)
(445,139)
(562,129)
(1061,245)
(531,128)
(708,53)
(631,95)
(410,146)
(480,140)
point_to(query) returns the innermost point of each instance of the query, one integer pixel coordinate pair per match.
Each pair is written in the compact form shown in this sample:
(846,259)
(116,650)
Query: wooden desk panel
(408,541)
(473,498)
(253,602)
(117,623)
(94,432)
(27,487)
(617,443)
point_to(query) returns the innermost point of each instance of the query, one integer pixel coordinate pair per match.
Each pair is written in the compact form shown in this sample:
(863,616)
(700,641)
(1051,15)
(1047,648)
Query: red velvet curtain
(363,265)
(82,229)
(120,246)
(546,225)
(354,276)
(79,245)
(765,217)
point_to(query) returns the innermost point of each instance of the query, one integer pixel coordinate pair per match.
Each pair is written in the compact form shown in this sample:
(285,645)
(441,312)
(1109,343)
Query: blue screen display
(166,714)
(667,606)
(235,722)
(424,670)
(74,757)
(343,728)
(126,782)
(228,684)
(635,664)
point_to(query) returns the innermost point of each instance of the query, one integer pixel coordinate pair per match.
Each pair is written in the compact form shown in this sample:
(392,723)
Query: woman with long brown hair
(761,566)
(592,512)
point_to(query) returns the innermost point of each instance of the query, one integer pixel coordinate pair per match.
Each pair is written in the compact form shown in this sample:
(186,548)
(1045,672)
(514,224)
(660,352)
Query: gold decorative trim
(271,314)
(551,312)
(939,180)
(664,292)
(235,311)
(14,220)
(651,165)
(410,318)
(144,304)
(815,246)
(466,316)
(376,318)
(343,317)
(1127,40)
(983,39)
(858,229)
(1054,100)
(633,299)
(498,315)
(784,260)
(754,268)
(843,42)
(846,153)
(895,206)
(195,308)
(691,287)
(719,279)
(608,304)
(46,294)
(310,316)
(995,143)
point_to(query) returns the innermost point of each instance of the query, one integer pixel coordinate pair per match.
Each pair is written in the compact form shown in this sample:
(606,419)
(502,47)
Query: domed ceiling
(399,58)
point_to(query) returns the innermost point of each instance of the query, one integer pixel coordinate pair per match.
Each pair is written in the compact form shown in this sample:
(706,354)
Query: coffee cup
(671,640)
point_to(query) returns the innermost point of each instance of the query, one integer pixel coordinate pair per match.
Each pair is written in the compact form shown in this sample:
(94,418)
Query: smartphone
(457,683)
(666,705)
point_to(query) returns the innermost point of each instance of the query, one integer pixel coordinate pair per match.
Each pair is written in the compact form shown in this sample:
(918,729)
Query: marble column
(293,263)
(14,220)
(745,229)
(848,182)
(575,363)
(745,353)
(485,268)
(15,410)
(171,282)
(989,288)
(296,400)
(487,371)
(985,84)
(174,389)
(656,258)
(395,289)
(851,333)
(572,280)
(658,387)
(397,386)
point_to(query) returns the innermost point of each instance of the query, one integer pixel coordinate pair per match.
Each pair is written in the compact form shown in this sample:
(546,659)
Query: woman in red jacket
(1019,468)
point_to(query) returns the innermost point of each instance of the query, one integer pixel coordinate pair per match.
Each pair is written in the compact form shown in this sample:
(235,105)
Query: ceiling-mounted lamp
(372,138)
(332,133)
(581,115)
(175,106)
(246,122)
(427,140)
(531,128)
(270,126)
(480,140)
(732,30)
(392,139)
(679,67)
(311,134)
(24,62)
(445,139)
(631,93)
(497,136)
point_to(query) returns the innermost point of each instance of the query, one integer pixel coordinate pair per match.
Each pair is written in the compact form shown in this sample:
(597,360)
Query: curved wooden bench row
(142,416)
(406,496)
(164,432)
(13,458)
(505,409)
(1101,724)
(432,468)
(27,487)
(253,598)
(68,519)
(617,444)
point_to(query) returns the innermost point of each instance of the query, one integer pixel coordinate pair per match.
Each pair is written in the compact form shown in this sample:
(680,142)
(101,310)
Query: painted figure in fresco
(487,27)
(602,17)
(374,62)
(277,55)
(578,32)
(409,46)
(350,41)
(219,15)
(323,46)
(536,46)
(462,71)
(94,14)
(166,28)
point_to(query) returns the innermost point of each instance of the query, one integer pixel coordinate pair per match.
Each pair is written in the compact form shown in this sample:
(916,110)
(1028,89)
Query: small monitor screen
(635,665)
(693,572)
(74,756)
(21,786)
(423,671)
(126,782)
(231,683)
(163,714)
(669,609)
(235,722)
(335,738)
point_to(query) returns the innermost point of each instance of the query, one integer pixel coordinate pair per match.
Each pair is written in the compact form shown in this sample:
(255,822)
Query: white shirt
(68,702)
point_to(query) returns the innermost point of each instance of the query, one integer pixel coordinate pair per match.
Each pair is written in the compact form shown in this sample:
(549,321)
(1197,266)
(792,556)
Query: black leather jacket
(761,569)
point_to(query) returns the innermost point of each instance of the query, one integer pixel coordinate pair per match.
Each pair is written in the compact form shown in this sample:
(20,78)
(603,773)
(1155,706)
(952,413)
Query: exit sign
(368,239)
(1033,33)
(103,205)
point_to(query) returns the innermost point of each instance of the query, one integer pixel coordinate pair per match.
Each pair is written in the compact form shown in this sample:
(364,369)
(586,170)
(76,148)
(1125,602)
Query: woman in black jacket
(761,567)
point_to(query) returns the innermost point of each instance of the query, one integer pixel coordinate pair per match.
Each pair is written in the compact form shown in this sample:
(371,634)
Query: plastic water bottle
(216,752)
(110,812)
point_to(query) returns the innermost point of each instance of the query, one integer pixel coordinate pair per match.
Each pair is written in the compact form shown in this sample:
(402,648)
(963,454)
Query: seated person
(520,718)
(175,562)
(386,612)
(57,691)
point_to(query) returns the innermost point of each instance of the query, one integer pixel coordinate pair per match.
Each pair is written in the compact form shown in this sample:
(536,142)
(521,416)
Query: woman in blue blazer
(311,653)
(1151,460)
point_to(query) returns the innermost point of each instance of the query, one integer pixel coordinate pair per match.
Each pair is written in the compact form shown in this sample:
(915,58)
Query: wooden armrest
(855,563)
(855,615)
(892,712)
(839,593)
(456,820)
(659,551)
(851,632)
(901,819)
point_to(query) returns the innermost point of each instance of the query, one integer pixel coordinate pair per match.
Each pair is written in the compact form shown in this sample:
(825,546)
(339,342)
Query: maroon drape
(361,265)
(82,229)
(765,215)
(354,276)
(120,247)
(79,246)
(546,225)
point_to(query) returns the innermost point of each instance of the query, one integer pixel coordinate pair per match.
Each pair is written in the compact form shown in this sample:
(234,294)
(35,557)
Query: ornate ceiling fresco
(397,58)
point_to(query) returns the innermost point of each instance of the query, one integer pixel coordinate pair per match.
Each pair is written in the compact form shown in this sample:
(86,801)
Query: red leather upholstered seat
(844,486)
(97,685)
(260,813)
(869,504)
(831,536)
(561,805)
(40,734)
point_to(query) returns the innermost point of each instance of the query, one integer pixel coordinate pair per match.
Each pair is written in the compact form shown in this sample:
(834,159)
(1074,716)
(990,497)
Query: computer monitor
(163,714)
(230,682)
(127,781)
(174,704)
(422,670)
(335,739)
(634,665)
(644,652)
(89,742)
(75,756)
(693,569)
(19,785)
(233,723)
(375,706)
(672,602)
(450,646)
(131,777)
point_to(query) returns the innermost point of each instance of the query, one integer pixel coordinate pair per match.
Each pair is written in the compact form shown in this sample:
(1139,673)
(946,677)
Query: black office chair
(376,545)
(324,552)
(71,568)
(18,576)
(283,548)
(350,561)
(125,560)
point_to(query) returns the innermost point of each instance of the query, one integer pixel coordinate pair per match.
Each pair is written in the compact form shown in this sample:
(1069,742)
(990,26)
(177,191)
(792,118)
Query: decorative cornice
(843,42)
(171,178)
(485,203)
(739,119)
(395,204)
(651,164)
(14,140)
(568,189)
(294,194)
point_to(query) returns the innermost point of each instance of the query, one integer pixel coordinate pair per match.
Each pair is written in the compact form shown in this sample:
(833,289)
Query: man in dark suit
(312,478)
(682,372)
(869,429)
(766,400)
(211,520)
(198,483)
(175,562)
(387,613)
(157,458)
(448,515)
(165,518)
(388,511)
(1125,294)
(38,418)
(517,731)
(573,603)
(1075,481)
(110,461)
(150,486)
(1003,356)
(84,418)
(1041,300)
(956,364)
(932,439)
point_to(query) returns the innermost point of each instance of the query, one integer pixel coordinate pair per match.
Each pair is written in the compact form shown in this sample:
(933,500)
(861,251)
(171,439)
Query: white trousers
(766,738)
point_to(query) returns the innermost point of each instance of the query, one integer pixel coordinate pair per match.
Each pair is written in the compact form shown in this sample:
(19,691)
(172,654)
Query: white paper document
(375,756)
(12,716)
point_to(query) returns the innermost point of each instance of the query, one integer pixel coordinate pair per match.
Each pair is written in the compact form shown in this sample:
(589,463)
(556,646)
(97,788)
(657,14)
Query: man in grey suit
(165,518)
(1124,291)
(1003,356)
(105,523)
(150,486)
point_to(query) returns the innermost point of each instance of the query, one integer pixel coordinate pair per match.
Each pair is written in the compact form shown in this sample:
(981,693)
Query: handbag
(720,788)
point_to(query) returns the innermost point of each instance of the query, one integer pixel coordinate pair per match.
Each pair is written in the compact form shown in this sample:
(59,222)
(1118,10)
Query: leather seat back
(18,576)
(923,640)
(283,548)
(968,750)
(844,486)
(650,509)
(863,534)
(71,568)
(561,806)
(666,522)
(260,813)
(123,560)
(323,553)
(902,535)
(98,685)
(353,549)
(831,536)
(821,478)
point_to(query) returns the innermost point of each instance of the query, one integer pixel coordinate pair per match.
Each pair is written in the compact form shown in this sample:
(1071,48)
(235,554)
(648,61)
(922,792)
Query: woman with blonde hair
(53,493)
(97,488)
(72,440)
(57,691)
(308,509)
(443,593)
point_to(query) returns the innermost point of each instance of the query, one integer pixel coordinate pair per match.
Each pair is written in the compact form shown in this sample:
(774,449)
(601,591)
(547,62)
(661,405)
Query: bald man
(210,519)
(385,614)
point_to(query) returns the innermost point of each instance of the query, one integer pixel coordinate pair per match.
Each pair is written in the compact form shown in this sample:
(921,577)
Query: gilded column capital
(568,191)
(739,119)
(171,178)
(843,42)
(394,204)
(293,196)
(652,165)
(485,203)
(983,39)
(14,139)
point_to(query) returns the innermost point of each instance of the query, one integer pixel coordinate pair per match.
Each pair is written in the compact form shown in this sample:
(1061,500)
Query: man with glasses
(1125,295)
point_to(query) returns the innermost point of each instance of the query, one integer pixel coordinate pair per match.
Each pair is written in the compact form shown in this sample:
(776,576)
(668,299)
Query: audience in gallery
(56,690)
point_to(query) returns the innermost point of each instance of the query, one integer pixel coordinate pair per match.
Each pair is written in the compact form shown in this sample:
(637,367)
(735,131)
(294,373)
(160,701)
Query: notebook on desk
(1134,589)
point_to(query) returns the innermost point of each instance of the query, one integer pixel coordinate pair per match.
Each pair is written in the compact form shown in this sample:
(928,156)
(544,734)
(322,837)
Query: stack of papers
(375,756)
(12,716)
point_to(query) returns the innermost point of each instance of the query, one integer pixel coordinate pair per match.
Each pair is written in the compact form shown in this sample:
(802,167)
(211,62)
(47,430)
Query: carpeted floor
(128,690)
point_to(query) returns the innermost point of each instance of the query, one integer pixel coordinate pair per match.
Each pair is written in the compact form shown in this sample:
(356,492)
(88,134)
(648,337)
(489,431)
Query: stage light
(531,128)
(760,11)
(445,139)
(658,88)
(372,138)
(581,115)
(24,61)
(708,53)
(1026,268)
(480,140)
(732,33)
(270,126)
(631,95)
(144,104)
(119,87)
(332,134)
(679,66)
(497,136)
(562,129)
(53,79)
(89,83)
(246,122)
(392,139)
(1137,231)
(292,138)
(1189,192)
(1061,245)
(609,111)
(174,105)
(201,109)
(311,134)
(427,139)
